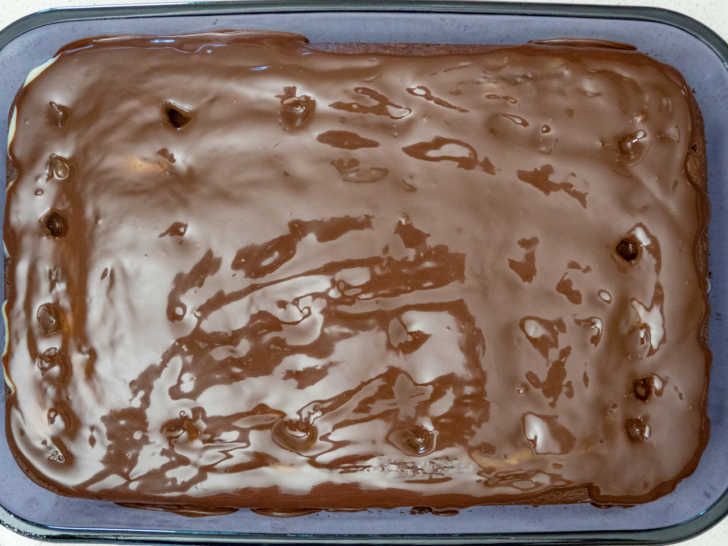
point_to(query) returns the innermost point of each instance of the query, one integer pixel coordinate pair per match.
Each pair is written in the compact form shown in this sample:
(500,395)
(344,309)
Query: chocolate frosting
(247,271)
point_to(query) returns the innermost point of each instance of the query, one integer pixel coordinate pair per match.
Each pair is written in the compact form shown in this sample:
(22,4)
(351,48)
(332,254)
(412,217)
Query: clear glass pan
(698,502)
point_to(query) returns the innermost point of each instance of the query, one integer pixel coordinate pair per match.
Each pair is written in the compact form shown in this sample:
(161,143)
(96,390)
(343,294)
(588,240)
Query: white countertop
(713,13)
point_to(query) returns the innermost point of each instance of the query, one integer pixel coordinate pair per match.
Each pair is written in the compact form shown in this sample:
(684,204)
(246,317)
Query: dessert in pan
(248,271)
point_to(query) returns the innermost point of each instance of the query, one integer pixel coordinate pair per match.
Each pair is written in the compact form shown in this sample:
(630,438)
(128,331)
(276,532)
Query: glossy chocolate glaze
(246,271)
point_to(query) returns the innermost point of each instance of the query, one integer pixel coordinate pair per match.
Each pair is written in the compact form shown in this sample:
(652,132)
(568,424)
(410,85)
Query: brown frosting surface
(246,271)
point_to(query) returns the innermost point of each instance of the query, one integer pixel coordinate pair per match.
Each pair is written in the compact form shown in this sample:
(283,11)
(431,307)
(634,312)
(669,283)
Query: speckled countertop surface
(713,13)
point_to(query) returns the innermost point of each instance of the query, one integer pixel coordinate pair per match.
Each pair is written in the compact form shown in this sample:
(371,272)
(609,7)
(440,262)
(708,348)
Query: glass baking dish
(697,503)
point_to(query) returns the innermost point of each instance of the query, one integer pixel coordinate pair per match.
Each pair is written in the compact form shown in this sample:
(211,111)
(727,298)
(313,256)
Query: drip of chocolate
(247,271)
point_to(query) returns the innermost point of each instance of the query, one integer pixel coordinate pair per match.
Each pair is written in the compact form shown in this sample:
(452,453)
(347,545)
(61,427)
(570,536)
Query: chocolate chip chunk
(48,318)
(176,116)
(628,249)
(642,388)
(55,224)
(57,113)
(637,430)
(413,439)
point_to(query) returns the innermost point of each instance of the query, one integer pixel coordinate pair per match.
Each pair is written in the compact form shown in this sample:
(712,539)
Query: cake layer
(246,271)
